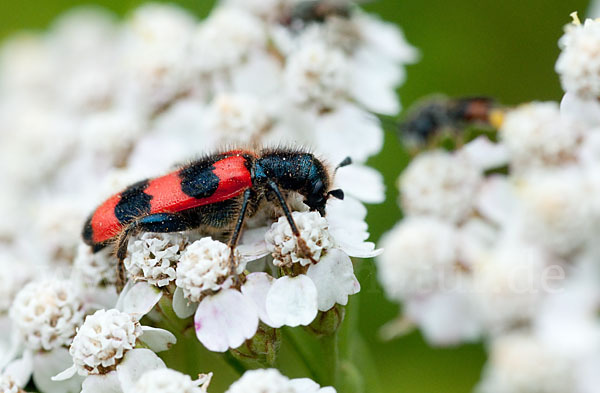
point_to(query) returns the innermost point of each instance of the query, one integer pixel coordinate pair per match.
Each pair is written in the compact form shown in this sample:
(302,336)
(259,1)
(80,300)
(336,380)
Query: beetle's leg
(159,222)
(288,215)
(237,231)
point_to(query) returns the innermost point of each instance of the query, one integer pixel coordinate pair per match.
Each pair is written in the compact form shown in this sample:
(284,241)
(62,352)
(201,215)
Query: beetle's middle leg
(159,222)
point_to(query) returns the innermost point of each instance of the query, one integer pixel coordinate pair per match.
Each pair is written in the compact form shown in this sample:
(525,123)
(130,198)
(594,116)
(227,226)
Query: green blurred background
(505,49)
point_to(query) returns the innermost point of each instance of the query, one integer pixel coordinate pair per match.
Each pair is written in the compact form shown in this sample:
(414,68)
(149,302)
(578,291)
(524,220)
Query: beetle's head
(318,194)
(300,172)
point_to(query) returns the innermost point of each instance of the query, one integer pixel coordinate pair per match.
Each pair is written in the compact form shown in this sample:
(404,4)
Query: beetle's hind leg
(159,222)
(237,231)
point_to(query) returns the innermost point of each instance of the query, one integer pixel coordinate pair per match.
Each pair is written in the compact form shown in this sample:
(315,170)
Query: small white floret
(102,341)
(165,380)
(237,118)
(256,288)
(346,131)
(557,210)
(292,301)
(579,64)
(317,75)
(521,363)
(153,257)
(225,320)
(226,39)
(272,381)
(440,184)
(13,280)
(419,257)
(334,279)
(155,55)
(46,314)
(538,135)
(283,245)
(95,269)
(508,285)
(204,266)
(8,385)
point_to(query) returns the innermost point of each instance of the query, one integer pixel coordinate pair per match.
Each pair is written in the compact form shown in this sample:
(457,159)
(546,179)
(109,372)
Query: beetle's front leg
(304,249)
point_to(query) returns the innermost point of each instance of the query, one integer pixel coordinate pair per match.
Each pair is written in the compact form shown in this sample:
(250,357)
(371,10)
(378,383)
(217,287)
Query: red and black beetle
(217,191)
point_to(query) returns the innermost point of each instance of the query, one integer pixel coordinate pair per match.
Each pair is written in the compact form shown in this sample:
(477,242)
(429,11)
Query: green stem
(165,308)
(329,344)
(237,365)
(301,350)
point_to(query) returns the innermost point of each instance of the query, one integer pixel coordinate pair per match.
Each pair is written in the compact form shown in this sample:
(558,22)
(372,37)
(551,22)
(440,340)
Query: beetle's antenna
(338,194)
(345,162)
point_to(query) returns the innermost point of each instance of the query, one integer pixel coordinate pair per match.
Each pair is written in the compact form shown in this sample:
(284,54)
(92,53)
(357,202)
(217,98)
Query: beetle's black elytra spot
(134,202)
(198,180)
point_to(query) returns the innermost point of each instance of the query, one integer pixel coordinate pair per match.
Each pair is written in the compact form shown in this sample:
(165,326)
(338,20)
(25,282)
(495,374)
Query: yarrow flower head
(46,314)
(223,316)
(165,380)
(117,331)
(237,118)
(153,257)
(226,39)
(556,209)
(509,286)
(440,184)
(522,363)
(8,385)
(410,266)
(324,274)
(272,381)
(538,136)
(14,279)
(95,269)
(578,65)
(104,350)
(205,266)
(317,75)
(283,244)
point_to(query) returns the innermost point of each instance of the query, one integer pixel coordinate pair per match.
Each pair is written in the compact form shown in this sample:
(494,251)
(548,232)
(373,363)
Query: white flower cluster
(95,99)
(271,381)
(102,340)
(8,385)
(227,311)
(46,314)
(104,351)
(95,104)
(153,257)
(511,255)
(203,267)
(165,380)
(578,64)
